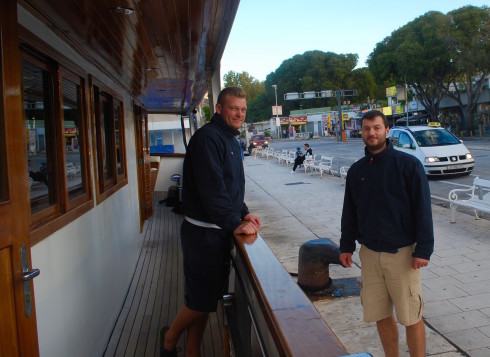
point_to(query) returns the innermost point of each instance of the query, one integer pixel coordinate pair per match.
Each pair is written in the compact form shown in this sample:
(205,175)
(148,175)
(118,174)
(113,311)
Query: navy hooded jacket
(213,187)
(387,204)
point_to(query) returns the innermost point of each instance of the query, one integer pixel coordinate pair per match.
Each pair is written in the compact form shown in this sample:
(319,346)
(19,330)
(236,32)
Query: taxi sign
(434,124)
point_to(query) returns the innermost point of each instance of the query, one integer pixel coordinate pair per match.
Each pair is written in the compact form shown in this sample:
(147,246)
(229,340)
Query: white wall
(86,268)
(168,167)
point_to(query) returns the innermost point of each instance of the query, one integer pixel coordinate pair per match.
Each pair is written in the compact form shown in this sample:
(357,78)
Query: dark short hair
(373,114)
(307,144)
(232,91)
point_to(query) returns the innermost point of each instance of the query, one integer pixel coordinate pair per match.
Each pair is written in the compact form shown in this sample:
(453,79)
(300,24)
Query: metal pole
(278,128)
(339,126)
(406,99)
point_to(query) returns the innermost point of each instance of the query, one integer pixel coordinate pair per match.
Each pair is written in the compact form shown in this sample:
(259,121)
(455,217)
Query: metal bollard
(314,258)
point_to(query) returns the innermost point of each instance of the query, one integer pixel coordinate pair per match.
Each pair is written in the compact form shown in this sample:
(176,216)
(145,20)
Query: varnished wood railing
(267,313)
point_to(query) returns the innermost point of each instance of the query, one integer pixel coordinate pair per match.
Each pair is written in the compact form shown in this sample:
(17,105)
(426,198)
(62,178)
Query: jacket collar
(220,122)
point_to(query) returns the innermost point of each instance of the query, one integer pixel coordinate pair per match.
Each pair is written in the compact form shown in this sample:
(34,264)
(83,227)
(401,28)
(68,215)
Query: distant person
(387,209)
(242,147)
(298,152)
(251,146)
(213,203)
(301,158)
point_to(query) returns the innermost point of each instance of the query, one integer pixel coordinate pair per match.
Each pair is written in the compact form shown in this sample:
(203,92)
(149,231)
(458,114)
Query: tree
(207,113)
(252,86)
(469,47)
(310,71)
(416,54)
(259,109)
(364,82)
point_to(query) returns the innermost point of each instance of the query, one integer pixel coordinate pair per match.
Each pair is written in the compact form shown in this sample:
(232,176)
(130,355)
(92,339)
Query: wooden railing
(267,313)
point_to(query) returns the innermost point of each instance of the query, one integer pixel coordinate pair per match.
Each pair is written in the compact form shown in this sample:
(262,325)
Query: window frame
(63,211)
(104,188)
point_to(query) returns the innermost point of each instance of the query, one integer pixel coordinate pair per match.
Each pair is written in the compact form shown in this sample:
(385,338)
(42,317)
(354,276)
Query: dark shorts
(207,262)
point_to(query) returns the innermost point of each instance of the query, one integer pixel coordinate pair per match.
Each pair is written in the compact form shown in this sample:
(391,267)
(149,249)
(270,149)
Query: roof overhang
(163,51)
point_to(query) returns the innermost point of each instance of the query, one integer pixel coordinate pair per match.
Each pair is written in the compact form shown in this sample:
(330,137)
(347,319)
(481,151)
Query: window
(404,141)
(394,135)
(109,142)
(56,137)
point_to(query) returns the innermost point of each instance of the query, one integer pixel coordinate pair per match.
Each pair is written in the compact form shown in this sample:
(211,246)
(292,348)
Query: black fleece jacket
(213,187)
(387,204)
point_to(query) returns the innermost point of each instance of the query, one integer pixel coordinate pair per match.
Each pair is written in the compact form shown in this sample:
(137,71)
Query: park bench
(309,161)
(343,173)
(291,156)
(325,165)
(322,165)
(281,156)
(476,197)
(72,170)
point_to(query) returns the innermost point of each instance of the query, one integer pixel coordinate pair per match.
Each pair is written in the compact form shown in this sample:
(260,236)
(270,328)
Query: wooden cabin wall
(86,266)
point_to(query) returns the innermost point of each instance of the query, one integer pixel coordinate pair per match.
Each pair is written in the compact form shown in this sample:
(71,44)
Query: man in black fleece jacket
(213,202)
(387,209)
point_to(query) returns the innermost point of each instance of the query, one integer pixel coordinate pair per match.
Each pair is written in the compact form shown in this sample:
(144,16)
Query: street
(346,153)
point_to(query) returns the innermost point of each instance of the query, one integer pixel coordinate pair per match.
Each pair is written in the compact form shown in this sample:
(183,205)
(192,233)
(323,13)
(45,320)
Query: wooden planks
(157,292)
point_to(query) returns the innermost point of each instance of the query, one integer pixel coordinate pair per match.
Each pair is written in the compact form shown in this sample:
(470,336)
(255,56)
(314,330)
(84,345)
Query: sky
(267,32)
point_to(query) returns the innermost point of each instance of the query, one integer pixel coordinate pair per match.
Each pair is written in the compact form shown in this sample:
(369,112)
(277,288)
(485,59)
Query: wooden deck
(157,291)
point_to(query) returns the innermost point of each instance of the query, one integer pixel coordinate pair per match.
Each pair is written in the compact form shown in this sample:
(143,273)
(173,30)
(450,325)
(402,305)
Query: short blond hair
(233,91)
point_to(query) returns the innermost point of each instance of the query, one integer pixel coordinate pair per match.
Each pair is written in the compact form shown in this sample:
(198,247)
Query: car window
(404,141)
(259,137)
(435,137)
(394,134)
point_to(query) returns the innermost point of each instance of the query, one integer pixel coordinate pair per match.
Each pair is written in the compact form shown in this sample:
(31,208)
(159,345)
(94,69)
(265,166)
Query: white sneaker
(292,172)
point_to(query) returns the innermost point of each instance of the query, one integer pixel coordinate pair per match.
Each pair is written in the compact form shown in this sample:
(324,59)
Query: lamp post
(277,115)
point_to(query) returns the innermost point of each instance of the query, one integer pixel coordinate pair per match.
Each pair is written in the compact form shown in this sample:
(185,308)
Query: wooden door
(18,333)
(143,155)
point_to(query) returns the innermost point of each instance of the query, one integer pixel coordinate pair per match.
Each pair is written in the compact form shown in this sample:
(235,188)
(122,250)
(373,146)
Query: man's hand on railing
(247,239)
(253,218)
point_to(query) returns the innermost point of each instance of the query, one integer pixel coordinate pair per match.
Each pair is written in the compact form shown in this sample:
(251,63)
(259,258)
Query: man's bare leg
(416,339)
(388,333)
(186,319)
(195,333)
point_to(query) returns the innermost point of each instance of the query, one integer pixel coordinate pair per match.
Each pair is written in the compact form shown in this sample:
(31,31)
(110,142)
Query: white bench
(281,156)
(72,170)
(343,174)
(309,160)
(270,153)
(325,165)
(322,165)
(476,197)
(291,156)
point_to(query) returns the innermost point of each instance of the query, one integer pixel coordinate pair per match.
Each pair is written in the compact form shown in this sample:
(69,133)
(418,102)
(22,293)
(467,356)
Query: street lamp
(277,114)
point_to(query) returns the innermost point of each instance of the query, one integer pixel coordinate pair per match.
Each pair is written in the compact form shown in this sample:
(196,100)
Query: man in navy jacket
(213,203)
(387,209)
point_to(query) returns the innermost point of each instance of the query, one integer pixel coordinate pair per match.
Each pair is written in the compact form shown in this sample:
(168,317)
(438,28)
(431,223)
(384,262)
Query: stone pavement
(296,208)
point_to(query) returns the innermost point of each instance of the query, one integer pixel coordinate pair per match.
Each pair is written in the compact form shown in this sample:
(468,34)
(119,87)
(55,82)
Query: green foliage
(311,71)
(434,51)
(252,86)
(260,109)
(207,113)
(469,48)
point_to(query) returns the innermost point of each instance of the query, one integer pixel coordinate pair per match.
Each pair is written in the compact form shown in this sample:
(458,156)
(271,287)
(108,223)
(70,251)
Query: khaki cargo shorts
(388,280)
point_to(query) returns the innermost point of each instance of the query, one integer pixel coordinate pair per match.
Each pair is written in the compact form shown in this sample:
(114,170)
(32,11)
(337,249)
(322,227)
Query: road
(345,153)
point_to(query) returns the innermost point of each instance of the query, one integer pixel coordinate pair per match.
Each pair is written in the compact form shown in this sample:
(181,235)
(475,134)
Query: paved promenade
(296,208)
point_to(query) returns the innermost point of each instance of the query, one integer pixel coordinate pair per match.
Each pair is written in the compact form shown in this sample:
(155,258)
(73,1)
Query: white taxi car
(439,151)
